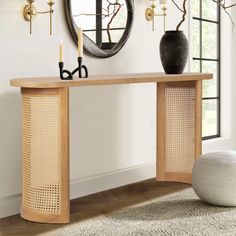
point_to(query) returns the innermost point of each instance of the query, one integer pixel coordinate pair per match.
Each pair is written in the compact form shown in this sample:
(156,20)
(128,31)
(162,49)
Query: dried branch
(184,11)
(233,5)
(117,6)
(177,6)
(222,4)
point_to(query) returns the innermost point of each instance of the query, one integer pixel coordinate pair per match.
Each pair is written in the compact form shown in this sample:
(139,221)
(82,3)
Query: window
(205,43)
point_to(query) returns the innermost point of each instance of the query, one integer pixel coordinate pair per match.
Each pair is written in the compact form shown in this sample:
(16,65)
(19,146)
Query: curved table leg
(179,134)
(45,195)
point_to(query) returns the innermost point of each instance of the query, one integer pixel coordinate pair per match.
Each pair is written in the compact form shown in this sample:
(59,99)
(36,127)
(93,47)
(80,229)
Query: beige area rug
(181,214)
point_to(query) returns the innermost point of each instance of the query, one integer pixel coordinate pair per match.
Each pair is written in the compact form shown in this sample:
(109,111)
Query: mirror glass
(102,21)
(106,24)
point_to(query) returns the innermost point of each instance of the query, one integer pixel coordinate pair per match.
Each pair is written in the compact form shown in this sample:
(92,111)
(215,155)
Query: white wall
(233,83)
(112,127)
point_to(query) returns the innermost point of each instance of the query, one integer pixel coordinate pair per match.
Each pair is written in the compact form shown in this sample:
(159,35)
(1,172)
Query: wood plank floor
(92,207)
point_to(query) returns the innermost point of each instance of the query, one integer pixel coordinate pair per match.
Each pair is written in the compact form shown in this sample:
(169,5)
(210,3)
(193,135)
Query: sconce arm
(45,12)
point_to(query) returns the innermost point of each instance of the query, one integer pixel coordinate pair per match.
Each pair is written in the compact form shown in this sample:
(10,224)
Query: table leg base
(177,177)
(30,215)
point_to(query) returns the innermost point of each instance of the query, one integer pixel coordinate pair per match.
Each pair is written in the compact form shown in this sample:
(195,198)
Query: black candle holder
(68,75)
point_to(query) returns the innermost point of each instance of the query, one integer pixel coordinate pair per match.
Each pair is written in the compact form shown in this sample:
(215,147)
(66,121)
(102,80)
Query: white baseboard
(10,205)
(113,179)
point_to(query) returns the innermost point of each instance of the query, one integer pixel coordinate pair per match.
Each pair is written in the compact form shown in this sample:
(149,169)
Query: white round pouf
(214,178)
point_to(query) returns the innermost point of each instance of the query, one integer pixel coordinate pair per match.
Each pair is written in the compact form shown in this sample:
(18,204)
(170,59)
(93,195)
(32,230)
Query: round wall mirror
(106,24)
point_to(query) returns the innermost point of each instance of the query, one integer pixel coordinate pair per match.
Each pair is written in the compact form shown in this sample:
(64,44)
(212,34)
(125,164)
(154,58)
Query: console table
(45,195)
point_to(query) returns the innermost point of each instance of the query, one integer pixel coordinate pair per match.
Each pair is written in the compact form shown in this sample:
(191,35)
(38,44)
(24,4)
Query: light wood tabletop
(56,82)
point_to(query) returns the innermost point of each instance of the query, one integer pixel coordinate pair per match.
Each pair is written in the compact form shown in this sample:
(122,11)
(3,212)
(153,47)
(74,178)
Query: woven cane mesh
(41,162)
(180,129)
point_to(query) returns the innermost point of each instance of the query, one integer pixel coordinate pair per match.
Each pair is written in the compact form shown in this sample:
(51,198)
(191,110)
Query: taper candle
(80,42)
(61,52)
(163,2)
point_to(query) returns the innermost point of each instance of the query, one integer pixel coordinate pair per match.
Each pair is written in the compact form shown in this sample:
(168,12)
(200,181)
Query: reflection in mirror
(103,21)
(106,24)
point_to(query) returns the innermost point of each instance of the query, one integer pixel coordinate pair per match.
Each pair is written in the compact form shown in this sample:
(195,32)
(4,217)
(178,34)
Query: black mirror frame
(90,47)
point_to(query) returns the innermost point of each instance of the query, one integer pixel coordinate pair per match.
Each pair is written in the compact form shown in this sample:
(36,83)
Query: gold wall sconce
(150,12)
(30,12)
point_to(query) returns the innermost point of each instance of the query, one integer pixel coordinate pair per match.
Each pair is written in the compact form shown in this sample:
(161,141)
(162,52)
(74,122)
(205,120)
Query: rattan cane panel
(41,164)
(180,129)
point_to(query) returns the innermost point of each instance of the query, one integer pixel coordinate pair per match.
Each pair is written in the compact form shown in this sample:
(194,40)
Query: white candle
(80,42)
(163,2)
(61,52)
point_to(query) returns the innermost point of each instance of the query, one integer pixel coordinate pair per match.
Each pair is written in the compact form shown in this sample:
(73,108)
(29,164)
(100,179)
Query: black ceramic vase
(174,52)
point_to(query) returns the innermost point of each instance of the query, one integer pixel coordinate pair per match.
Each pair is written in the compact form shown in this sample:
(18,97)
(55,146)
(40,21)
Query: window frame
(201,59)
